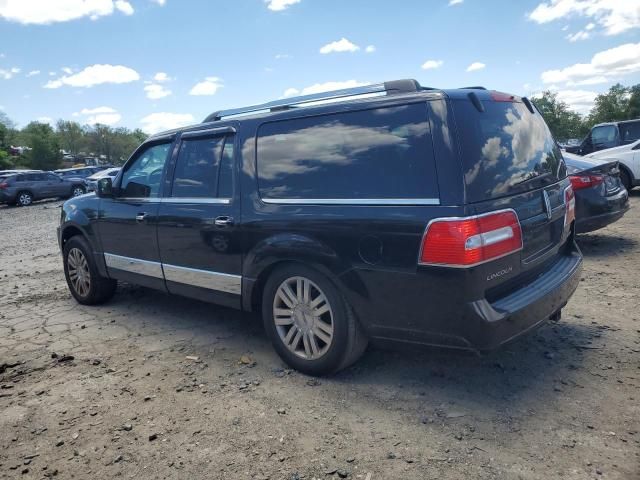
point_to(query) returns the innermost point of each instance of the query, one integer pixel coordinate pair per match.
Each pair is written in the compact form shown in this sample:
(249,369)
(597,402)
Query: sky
(160,64)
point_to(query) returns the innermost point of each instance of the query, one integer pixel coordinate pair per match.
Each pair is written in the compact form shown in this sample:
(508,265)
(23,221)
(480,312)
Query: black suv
(608,135)
(388,212)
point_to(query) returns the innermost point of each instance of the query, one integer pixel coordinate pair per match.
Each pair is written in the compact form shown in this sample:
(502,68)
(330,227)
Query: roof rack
(393,87)
(477,87)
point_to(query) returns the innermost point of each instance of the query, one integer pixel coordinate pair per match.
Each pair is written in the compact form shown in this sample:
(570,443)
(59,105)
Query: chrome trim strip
(353,201)
(223,282)
(217,201)
(214,201)
(134,265)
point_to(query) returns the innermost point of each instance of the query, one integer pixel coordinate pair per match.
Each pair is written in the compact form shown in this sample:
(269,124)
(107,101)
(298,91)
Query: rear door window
(384,153)
(505,150)
(196,173)
(629,132)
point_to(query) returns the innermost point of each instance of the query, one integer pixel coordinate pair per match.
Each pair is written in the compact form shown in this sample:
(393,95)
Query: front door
(198,220)
(128,221)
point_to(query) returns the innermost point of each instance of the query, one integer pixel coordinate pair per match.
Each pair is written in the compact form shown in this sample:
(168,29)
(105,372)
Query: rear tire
(77,190)
(80,270)
(625,178)
(24,199)
(310,324)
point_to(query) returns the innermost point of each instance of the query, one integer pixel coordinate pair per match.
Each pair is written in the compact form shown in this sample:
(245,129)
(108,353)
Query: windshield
(505,150)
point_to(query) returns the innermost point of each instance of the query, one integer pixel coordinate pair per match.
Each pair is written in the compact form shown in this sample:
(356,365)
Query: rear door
(56,187)
(511,161)
(198,221)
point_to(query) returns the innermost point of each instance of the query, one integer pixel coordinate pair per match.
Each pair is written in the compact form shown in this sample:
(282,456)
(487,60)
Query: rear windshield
(505,150)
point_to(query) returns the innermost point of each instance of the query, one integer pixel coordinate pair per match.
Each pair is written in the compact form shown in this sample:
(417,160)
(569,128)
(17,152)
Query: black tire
(625,178)
(77,190)
(24,198)
(349,340)
(100,289)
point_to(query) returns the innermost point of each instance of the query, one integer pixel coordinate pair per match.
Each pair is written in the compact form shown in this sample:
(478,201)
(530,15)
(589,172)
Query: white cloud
(157,122)
(432,64)
(102,115)
(342,45)
(475,66)
(44,12)
(161,77)
(48,120)
(279,5)
(579,100)
(159,2)
(155,91)
(608,64)
(9,74)
(124,7)
(96,75)
(209,86)
(283,56)
(33,73)
(323,87)
(455,2)
(581,35)
(613,16)
(66,70)
(370,49)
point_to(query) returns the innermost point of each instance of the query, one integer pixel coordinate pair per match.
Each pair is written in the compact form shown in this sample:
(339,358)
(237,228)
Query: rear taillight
(469,241)
(585,181)
(570,206)
(4,185)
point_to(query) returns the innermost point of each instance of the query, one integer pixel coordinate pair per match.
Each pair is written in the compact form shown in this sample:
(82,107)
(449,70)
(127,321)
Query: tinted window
(35,177)
(225,178)
(196,174)
(142,176)
(603,137)
(51,177)
(381,153)
(505,150)
(629,132)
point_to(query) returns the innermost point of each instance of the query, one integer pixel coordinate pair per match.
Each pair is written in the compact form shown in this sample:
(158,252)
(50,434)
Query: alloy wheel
(79,273)
(78,191)
(25,199)
(303,318)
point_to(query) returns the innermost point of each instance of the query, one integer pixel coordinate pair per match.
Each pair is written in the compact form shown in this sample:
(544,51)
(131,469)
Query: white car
(91,183)
(628,157)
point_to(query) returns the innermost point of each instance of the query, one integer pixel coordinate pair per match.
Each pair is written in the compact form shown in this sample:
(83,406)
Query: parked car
(23,188)
(601,198)
(608,135)
(78,173)
(90,183)
(367,218)
(629,158)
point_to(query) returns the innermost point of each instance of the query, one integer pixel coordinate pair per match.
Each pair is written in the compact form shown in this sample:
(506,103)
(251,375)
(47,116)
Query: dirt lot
(165,387)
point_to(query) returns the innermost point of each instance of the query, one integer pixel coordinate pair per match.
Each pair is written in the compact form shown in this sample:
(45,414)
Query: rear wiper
(537,177)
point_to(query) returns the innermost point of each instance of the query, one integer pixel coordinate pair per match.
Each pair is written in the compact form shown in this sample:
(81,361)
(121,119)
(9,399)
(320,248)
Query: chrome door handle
(223,221)
(141,217)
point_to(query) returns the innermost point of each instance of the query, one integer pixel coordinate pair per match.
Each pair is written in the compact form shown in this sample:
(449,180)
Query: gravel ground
(152,386)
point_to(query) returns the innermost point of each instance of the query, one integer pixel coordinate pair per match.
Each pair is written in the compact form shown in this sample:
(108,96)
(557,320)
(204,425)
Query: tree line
(46,143)
(619,103)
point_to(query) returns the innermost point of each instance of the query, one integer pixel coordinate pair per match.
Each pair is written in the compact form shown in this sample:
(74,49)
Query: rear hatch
(511,161)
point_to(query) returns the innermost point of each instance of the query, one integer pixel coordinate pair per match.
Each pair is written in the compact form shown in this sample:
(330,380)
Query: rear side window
(384,153)
(196,173)
(629,132)
(505,150)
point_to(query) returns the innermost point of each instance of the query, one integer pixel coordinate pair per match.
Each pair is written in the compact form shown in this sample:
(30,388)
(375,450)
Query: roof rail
(393,87)
(473,88)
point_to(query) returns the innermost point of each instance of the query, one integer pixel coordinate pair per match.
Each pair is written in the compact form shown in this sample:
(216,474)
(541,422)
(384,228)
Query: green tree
(71,136)
(563,122)
(633,108)
(611,106)
(45,147)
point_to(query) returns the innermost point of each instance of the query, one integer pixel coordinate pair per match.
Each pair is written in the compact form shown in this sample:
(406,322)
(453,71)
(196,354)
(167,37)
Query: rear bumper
(596,222)
(595,211)
(6,197)
(494,324)
(441,311)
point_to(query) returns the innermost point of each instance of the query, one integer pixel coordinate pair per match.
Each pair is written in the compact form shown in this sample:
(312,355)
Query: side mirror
(105,188)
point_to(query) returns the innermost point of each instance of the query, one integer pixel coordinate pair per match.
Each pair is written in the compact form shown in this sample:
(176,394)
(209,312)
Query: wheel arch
(72,229)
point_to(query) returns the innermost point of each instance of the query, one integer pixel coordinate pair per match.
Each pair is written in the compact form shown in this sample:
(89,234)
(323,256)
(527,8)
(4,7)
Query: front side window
(51,177)
(630,132)
(384,153)
(142,177)
(604,136)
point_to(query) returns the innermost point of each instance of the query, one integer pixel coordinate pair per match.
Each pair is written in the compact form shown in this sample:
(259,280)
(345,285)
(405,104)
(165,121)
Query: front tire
(85,283)
(309,322)
(77,190)
(625,178)
(24,199)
